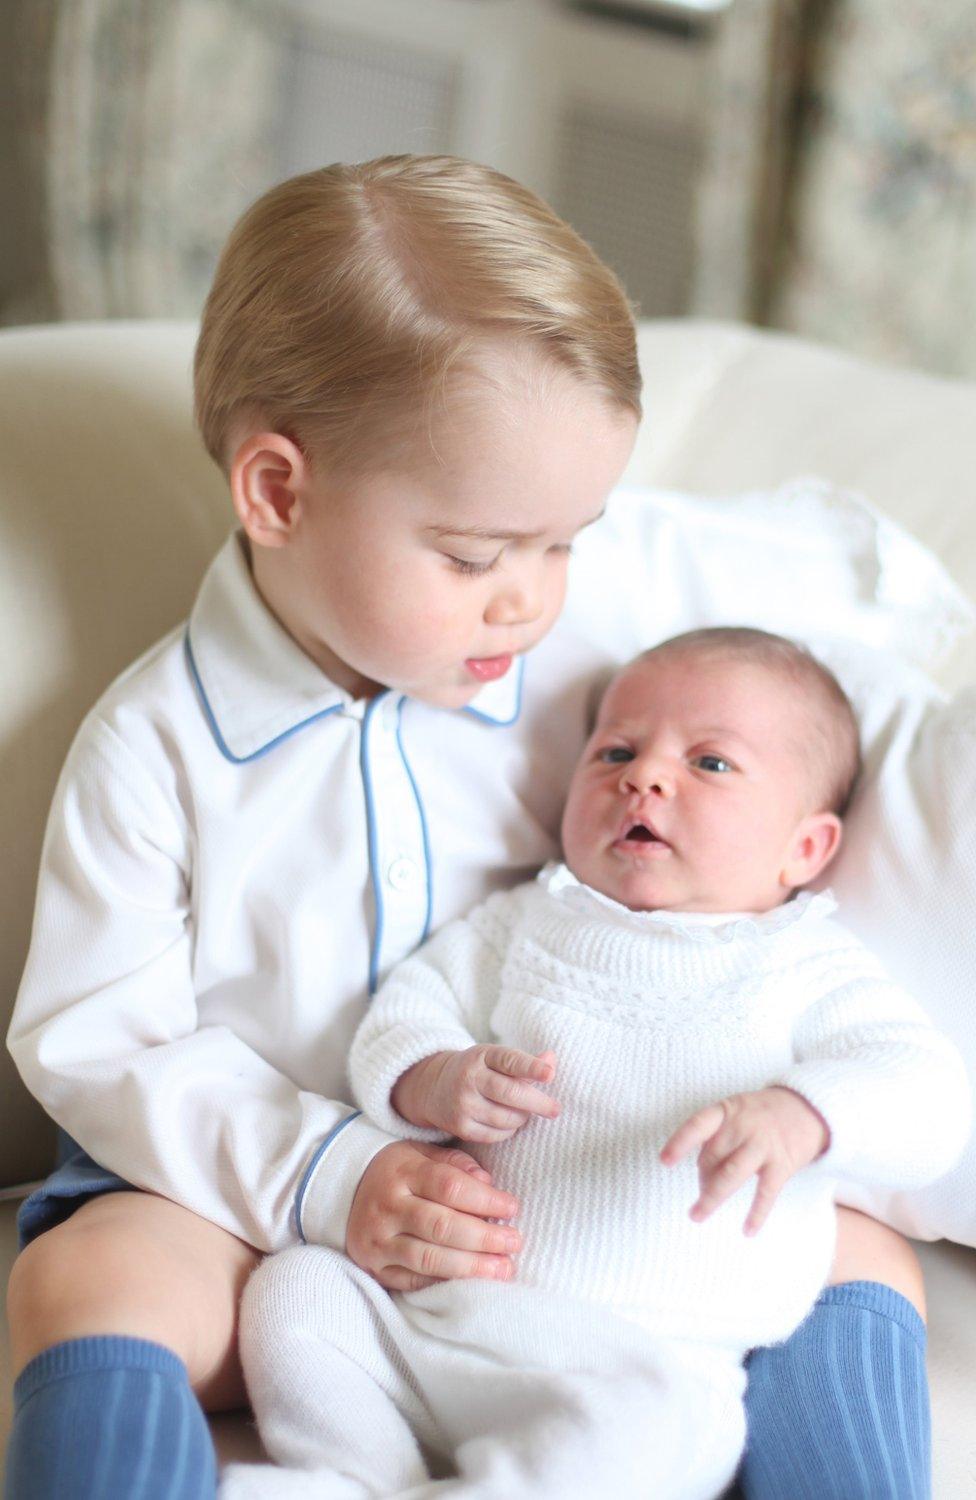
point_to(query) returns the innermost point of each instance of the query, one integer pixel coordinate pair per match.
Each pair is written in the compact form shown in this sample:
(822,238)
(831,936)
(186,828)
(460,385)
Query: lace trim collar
(699,927)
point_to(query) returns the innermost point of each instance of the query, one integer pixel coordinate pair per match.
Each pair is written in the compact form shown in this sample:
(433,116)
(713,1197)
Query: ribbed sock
(108,1418)
(840,1411)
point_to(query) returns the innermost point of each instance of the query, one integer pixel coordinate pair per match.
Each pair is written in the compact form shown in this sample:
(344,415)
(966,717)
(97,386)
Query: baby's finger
(694,1132)
(771,1183)
(721,1180)
(520,1064)
(518,1095)
(495,1117)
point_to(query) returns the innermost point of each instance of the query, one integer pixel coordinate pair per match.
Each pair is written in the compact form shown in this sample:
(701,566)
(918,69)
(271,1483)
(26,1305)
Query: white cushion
(906,880)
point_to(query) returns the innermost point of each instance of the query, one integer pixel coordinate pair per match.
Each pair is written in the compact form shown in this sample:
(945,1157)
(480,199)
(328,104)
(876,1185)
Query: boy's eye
(616,755)
(711,763)
(563,549)
(464,565)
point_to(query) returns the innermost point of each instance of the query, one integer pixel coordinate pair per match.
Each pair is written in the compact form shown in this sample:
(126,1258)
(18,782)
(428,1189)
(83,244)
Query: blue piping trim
(502,723)
(222,746)
(428,866)
(374,957)
(322,1146)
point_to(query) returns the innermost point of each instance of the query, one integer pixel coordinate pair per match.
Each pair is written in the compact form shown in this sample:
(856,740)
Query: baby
(719,1044)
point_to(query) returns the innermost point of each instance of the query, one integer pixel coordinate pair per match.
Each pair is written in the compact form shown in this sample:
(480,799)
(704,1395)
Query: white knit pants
(513,1391)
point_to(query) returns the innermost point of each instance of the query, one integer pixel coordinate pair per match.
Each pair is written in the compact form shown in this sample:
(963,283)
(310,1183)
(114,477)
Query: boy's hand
(478,1094)
(419,1216)
(771,1133)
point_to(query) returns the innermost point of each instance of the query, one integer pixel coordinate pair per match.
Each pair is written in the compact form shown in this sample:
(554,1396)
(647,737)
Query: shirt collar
(256,684)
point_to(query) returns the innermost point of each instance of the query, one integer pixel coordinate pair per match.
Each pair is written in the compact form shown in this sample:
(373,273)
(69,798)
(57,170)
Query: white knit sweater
(652,1015)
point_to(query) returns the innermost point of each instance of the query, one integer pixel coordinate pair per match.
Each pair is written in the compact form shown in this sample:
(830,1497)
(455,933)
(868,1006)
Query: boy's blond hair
(346,297)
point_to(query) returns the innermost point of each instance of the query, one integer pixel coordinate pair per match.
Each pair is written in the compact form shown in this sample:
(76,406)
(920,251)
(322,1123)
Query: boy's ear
(268,478)
(813,845)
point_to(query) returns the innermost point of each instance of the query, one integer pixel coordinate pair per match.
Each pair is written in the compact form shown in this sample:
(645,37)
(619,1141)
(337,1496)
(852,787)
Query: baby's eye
(711,763)
(615,755)
(562,549)
(464,565)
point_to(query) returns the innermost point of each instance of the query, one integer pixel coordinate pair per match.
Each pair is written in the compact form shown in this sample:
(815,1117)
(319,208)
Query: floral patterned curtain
(839,199)
(879,249)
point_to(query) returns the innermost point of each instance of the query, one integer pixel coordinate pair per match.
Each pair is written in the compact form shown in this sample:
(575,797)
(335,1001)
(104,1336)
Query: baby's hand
(480,1094)
(771,1133)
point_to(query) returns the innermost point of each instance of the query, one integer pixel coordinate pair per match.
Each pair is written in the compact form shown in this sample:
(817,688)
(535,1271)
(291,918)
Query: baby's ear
(814,843)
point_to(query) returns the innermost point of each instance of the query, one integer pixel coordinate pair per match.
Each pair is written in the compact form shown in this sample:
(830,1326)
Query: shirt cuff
(329,1184)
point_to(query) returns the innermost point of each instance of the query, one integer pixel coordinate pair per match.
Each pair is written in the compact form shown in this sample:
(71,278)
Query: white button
(402,874)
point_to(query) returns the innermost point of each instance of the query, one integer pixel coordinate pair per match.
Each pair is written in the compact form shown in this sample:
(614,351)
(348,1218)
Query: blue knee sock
(841,1409)
(103,1418)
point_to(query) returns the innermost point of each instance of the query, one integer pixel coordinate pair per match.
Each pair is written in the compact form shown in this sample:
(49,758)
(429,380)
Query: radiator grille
(627,185)
(344,98)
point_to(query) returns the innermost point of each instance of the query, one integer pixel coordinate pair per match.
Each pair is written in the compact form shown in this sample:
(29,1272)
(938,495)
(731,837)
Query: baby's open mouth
(641,833)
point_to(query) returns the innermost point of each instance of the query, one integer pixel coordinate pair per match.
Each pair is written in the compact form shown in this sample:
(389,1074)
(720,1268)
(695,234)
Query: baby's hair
(345,298)
(836,752)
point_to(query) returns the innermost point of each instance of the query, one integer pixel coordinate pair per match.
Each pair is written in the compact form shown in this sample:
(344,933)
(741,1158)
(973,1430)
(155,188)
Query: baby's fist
(483,1093)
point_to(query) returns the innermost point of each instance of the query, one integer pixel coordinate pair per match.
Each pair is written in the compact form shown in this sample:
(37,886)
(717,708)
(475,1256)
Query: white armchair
(110,510)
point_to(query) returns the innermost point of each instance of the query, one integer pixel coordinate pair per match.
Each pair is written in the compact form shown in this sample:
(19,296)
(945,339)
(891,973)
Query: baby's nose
(645,777)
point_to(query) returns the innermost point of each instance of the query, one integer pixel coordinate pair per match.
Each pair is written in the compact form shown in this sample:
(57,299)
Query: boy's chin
(446,695)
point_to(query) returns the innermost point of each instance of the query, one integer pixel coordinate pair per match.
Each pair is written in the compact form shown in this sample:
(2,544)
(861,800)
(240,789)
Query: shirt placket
(399,856)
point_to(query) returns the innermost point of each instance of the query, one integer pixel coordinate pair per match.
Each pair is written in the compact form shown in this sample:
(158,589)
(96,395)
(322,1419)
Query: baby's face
(692,792)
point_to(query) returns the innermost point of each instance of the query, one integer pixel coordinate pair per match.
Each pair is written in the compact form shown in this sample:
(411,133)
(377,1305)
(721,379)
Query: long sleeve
(892,1089)
(107,1034)
(438,1000)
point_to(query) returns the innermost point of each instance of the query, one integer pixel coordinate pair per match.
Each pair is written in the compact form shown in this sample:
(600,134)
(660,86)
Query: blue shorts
(75,1179)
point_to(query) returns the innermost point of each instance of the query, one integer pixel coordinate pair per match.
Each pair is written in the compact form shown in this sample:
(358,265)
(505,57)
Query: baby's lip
(631,823)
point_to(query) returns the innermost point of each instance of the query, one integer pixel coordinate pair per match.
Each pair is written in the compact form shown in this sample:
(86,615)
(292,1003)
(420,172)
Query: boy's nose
(518,605)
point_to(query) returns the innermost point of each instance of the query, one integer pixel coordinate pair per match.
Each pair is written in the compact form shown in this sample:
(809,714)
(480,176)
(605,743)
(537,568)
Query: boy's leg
(122,1319)
(842,1407)
(329,1380)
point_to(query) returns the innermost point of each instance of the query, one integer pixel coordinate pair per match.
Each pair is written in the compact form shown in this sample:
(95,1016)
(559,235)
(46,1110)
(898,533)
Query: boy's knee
(108,1272)
(870,1251)
(76,1281)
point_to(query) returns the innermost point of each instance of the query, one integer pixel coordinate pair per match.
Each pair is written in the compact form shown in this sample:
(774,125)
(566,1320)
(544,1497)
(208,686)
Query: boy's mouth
(488,668)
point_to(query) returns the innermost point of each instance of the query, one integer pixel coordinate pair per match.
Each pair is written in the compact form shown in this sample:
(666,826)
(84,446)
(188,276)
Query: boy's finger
(771,1183)
(695,1131)
(397,1279)
(445,1264)
(517,1064)
(439,1226)
(518,1095)
(440,1182)
(719,1182)
(461,1159)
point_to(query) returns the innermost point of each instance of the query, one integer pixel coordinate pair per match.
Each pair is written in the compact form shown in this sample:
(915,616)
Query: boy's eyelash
(464,565)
